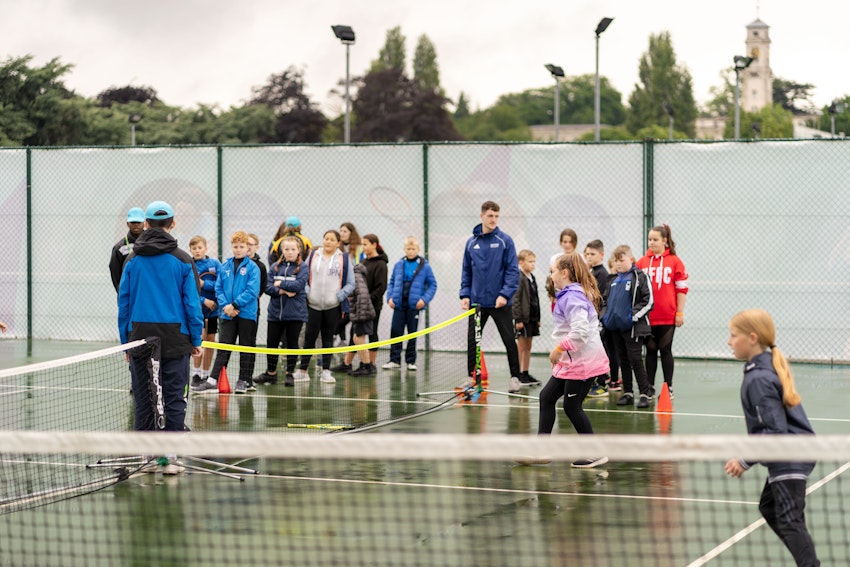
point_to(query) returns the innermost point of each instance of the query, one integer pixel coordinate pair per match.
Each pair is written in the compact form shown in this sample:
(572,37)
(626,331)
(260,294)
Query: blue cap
(159,210)
(136,214)
(293,221)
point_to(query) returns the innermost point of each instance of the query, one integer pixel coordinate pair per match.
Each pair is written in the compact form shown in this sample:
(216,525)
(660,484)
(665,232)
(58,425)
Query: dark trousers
(613,356)
(373,337)
(574,392)
(629,355)
(660,341)
(324,322)
(783,504)
(229,330)
(504,319)
(174,381)
(286,331)
(404,319)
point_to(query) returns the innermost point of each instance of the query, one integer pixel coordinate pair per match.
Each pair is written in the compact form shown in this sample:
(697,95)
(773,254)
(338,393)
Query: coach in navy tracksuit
(490,279)
(158,297)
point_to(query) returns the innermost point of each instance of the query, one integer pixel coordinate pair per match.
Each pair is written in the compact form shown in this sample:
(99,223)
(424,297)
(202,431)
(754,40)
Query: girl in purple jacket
(578,358)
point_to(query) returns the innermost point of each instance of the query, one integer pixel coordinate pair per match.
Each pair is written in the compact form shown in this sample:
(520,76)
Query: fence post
(648,187)
(425,230)
(29,251)
(220,195)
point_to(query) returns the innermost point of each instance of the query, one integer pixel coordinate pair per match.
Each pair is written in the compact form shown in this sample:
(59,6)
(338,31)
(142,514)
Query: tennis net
(397,499)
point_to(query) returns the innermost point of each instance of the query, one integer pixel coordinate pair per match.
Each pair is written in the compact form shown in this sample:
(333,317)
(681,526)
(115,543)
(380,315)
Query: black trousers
(324,322)
(629,355)
(783,504)
(574,392)
(286,331)
(229,330)
(660,341)
(504,319)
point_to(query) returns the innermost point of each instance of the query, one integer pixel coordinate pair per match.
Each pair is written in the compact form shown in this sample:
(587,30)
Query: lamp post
(133,119)
(346,35)
(668,108)
(741,63)
(600,27)
(557,73)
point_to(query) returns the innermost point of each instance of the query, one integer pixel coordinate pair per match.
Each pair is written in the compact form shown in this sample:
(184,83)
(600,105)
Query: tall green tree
(722,101)
(577,102)
(392,54)
(793,96)
(772,121)
(841,111)
(662,81)
(462,107)
(426,73)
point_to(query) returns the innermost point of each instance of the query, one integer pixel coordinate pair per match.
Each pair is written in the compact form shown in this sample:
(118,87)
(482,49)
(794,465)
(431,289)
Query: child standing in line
(526,311)
(772,406)
(253,245)
(208,272)
(578,357)
(594,255)
(669,280)
(625,319)
(412,287)
(236,291)
(568,242)
(362,320)
(287,288)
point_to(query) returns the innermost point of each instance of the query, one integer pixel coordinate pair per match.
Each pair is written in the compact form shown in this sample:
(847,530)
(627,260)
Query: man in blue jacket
(158,297)
(489,280)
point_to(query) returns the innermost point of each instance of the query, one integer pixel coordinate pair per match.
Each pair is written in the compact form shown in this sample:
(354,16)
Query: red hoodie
(668,277)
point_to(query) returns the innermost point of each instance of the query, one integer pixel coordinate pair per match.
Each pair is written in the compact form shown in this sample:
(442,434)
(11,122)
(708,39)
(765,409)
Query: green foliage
(392,54)
(499,123)
(662,80)
(426,73)
(774,121)
(577,106)
(462,108)
(842,117)
(722,102)
(793,96)
(617,134)
(657,132)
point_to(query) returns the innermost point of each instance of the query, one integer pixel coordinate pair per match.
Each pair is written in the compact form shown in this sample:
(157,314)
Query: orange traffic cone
(664,404)
(485,379)
(223,382)
(223,403)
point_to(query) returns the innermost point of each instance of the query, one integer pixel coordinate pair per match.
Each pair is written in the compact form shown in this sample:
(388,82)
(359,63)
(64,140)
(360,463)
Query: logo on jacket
(494,245)
(628,285)
(243,271)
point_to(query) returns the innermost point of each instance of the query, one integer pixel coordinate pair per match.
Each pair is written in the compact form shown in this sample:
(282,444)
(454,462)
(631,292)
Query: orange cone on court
(664,404)
(223,382)
(485,379)
(223,403)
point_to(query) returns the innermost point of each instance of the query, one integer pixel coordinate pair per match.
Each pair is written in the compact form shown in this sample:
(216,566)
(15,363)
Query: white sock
(212,381)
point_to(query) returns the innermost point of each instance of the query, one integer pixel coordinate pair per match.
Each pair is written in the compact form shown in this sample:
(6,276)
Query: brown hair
(664,231)
(524,254)
(572,234)
(622,250)
(759,322)
(579,273)
(373,238)
(596,245)
(353,240)
(490,206)
(197,239)
(298,244)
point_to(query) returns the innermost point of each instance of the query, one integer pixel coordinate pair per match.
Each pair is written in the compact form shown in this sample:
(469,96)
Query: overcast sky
(215,51)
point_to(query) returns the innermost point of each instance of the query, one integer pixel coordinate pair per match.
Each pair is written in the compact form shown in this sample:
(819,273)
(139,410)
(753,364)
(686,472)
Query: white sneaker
(411,366)
(391,365)
(514,385)
(300,376)
(327,377)
(173,468)
(589,463)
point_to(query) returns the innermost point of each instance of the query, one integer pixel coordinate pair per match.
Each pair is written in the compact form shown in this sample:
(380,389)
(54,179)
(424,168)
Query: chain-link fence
(757,224)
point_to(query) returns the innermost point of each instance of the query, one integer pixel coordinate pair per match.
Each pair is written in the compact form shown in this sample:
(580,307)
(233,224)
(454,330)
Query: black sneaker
(289,379)
(626,399)
(341,367)
(196,380)
(266,378)
(526,378)
(643,402)
(363,370)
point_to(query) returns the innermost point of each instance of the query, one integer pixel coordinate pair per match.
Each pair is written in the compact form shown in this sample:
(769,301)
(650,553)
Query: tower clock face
(754,53)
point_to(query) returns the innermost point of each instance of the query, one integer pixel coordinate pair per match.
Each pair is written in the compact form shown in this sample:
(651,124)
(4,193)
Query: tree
(722,102)
(392,54)
(462,108)
(298,121)
(426,74)
(842,116)
(499,123)
(123,95)
(608,135)
(773,122)
(793,96)
(662,80)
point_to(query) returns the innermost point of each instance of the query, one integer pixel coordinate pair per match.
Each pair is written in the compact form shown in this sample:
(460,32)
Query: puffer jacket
(361,304)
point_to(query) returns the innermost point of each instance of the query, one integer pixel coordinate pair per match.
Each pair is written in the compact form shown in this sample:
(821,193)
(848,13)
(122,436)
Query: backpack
(618,316)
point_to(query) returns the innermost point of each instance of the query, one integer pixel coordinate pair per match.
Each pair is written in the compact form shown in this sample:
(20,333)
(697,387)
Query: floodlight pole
(557,73)
(833,110)
(133,120)
(601,27)
(347,135)
(741,63)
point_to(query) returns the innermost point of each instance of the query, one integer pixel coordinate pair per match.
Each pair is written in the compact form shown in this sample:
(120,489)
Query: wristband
(558,348)
(679,314)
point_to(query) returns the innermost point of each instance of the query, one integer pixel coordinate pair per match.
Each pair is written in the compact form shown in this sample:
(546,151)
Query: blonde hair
(255,237)
(622,250)
(523,255)
(411,240)
(196,240)
(574,263)
(239,236)
(760,323)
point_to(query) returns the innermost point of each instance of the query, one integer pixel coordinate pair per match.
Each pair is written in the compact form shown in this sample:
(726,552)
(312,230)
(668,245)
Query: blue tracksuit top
(240,288)
(208,272)
(490,268)
(281,306)
(423,286)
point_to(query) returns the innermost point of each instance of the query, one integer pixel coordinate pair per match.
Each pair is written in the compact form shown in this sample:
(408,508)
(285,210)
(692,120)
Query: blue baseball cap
(293,221)
(159,210)
(136,214)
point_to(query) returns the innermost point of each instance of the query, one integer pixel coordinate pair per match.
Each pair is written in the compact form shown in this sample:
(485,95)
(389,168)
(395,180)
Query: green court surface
(296,512)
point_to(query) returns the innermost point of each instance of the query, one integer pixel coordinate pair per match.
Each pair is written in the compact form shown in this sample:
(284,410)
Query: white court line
(760,522)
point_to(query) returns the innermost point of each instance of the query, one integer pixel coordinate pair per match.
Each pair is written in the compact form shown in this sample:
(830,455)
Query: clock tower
(757,79)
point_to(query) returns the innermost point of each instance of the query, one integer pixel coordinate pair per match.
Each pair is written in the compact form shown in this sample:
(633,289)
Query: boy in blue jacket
(489,279)
(236,290)
(412,287)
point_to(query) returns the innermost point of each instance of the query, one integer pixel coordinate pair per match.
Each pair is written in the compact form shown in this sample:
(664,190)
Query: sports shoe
(362,370)
(615,385)
(528,379)
(589,463)
(411,366)
(300,376)
(173,468)
(469,382)
(626,399)
(289,380)
(643,402)
(598,392)
(670,390)
(150,467)
(251,387)
(197,380)
(265,378)
(341,367)
(208,384)
(651,394)
(391,365)
(326,378)
(241,387)
(514,385)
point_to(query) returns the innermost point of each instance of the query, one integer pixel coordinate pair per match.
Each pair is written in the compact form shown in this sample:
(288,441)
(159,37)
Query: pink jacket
(577,333)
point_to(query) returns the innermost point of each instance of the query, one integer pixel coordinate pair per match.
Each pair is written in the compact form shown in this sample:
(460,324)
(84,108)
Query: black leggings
(503,317)
(324,322)
(287,331)
(783,505)
(661,340)
(574,392)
